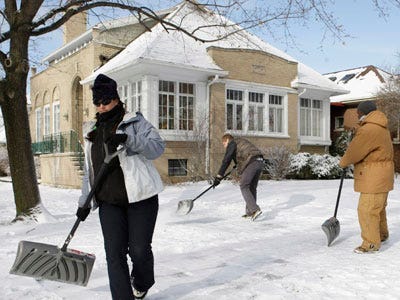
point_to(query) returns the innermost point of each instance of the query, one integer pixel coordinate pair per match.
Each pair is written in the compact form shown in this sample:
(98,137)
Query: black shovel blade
(331,227)
(184,207)
(43,261)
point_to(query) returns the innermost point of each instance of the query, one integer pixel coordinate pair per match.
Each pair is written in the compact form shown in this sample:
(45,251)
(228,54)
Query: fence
(62,142)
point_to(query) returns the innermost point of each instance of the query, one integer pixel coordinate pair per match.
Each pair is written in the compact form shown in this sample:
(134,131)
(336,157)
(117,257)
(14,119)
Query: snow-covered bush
(4,164)
(314,166)
(340,144)
(277,162)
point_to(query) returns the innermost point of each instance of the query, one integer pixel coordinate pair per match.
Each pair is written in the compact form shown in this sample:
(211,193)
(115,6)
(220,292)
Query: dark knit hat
(366,107)
(104,88)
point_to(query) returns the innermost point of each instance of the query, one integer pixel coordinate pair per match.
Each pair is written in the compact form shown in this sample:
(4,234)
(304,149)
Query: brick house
(363,83)
(192,92)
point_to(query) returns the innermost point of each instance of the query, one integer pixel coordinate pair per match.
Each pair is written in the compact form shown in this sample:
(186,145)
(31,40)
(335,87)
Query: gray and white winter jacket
(143,145)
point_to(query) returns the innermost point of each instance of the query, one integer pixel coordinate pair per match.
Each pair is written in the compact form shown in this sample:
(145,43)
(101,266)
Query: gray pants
(248,185)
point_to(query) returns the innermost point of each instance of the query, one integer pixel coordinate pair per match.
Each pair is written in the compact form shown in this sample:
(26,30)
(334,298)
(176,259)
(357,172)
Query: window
(347,77)
(256,111)
(275,113)
(176,105)
(339,122)
(333,78)
(177,167)
(310,117)
(166,104)
(46,120)
(38,114)
(136,96)
(234,110)
(186,103)
(56,117)
(131,95)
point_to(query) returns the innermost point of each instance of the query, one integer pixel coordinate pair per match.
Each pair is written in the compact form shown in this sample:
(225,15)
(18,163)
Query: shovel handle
(99,177)
(339,192)
(211,186)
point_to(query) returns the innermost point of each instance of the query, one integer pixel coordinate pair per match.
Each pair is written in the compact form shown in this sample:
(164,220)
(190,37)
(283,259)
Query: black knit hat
(104,88)
(366,107)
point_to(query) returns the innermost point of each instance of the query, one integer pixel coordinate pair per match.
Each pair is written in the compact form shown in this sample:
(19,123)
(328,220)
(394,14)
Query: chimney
(74,27)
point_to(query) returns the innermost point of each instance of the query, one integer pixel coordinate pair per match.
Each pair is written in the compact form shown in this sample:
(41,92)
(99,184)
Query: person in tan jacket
(371,152)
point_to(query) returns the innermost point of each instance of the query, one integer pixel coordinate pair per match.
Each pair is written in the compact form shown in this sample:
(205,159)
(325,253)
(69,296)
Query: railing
(60,143)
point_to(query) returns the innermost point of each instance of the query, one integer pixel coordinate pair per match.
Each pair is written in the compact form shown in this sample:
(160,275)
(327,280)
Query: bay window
(176,103)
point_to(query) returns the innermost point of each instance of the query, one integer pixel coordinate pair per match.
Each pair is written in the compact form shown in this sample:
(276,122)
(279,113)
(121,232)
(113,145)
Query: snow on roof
(174,47)
(309,78)
(362,82)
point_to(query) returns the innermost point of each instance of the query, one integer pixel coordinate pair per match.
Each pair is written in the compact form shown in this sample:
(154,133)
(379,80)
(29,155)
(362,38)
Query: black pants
(129,231)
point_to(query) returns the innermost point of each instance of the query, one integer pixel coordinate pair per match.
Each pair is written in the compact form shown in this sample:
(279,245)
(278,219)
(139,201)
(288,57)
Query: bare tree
(389,103)
(21,21)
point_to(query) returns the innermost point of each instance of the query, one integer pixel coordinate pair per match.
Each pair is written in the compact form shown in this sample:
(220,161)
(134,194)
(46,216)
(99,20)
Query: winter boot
(138,294)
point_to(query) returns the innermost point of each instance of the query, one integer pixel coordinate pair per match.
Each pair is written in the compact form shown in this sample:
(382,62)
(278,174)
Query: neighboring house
(363,83)
(192,92)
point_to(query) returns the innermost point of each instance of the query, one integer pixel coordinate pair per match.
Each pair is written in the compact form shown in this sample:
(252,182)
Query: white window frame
(311,125)
(174,110)
(46,120)
(247,104)
(56,117)
(339,122)
(257,116)
(235,99)
(131,95)
(38,116)
(276,110)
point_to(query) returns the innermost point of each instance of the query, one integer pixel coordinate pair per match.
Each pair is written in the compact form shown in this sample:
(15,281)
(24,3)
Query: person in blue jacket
(127,196)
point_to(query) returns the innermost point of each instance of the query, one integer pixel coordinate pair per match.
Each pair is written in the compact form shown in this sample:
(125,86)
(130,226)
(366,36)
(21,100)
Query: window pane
(229,116)
(177,167)
(239,125)
(260,119)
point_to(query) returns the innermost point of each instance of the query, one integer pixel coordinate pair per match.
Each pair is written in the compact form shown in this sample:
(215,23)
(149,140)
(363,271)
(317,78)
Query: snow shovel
(331,227)
(44,261)
(185,206)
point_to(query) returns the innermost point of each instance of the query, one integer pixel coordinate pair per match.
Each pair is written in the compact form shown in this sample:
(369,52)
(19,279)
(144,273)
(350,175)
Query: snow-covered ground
(213,253)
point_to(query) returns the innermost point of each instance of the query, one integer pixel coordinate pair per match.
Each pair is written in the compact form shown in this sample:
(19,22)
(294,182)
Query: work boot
(256,214)
(362,250)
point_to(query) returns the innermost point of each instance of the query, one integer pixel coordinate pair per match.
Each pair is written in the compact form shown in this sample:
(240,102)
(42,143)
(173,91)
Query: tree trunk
(16,123)
(22,167)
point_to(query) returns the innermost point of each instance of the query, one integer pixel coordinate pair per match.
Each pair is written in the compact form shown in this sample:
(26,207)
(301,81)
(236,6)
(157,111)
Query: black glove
(217,180)
(114,140)
(82,213)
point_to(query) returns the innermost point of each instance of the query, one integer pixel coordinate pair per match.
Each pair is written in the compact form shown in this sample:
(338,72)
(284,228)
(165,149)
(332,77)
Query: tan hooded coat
(371,152)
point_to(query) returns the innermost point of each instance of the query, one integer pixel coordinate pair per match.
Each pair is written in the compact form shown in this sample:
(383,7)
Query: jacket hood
(376,117)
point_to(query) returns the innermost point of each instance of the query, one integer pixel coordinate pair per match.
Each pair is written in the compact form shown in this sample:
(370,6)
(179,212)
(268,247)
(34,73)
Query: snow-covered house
(363,83)
(194,92)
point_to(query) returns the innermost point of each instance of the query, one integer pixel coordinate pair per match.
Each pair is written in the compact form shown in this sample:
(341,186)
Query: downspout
(207,166)
(298,123)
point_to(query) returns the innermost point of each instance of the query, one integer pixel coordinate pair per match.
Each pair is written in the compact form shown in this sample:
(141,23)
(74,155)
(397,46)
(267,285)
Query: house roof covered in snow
(172,47)
(85,38)
(362,82)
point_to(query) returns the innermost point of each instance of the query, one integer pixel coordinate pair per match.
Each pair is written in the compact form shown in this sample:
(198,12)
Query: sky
(374,40)
(214,253)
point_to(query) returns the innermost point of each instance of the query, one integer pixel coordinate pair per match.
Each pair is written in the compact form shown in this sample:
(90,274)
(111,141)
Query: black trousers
(129,231)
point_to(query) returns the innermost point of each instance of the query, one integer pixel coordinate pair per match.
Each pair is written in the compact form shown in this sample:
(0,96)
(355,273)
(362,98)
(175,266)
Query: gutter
(211,82)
